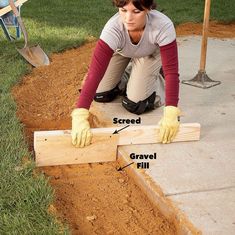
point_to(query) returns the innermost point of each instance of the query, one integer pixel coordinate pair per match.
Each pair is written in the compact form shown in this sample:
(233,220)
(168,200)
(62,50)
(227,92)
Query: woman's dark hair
(139,4)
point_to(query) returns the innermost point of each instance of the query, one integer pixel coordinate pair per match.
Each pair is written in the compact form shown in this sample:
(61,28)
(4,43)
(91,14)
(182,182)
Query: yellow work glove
(169,124)
(81,133)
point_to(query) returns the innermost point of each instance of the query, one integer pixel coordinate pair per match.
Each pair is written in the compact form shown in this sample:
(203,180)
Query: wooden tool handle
(17,14)
(205,35)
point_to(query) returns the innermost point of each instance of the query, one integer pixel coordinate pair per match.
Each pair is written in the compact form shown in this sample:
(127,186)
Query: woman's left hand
(169,124)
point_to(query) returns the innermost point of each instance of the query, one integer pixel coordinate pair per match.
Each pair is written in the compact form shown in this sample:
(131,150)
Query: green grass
(57,25)
(181,11)
(24,199)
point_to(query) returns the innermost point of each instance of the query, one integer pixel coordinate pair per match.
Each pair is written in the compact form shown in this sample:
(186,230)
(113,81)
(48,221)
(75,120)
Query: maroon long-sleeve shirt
(100,61)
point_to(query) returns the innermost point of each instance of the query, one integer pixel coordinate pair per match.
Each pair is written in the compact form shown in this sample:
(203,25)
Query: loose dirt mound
(45,97)
(216,29)
(93,198)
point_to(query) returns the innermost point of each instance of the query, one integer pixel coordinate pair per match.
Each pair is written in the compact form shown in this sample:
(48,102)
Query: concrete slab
(213,211)
(199,177)
(188,167)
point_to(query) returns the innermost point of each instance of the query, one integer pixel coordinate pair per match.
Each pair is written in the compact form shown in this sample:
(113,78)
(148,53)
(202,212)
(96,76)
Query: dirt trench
(91,198)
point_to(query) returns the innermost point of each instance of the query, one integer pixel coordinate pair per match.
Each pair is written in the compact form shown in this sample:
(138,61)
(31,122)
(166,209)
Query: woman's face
(132,18)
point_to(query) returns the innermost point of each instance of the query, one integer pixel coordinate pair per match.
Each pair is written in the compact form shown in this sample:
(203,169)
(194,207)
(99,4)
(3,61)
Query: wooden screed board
(55,148)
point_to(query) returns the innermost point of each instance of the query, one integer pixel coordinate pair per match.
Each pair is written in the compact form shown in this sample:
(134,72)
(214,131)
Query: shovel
(34,55)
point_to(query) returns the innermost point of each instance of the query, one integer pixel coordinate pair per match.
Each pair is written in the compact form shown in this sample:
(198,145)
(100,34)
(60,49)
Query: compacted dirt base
(92,198)
(97,199)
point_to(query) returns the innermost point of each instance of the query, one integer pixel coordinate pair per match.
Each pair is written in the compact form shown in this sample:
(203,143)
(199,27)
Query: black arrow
(121,168)
(116,131)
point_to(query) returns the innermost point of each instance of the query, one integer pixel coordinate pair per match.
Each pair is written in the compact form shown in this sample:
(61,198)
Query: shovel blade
(35,56)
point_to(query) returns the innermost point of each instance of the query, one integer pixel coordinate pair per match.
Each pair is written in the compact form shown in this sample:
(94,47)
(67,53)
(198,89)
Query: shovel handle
(20,22)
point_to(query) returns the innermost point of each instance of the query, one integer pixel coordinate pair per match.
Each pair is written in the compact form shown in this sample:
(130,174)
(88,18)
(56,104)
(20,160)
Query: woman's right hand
(81,133)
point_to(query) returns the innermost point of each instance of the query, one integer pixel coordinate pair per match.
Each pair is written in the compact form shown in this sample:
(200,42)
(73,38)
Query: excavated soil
(216,29)
(92,198)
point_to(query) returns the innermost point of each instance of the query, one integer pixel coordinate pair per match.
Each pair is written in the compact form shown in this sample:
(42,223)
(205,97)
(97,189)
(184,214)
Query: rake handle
(205,35)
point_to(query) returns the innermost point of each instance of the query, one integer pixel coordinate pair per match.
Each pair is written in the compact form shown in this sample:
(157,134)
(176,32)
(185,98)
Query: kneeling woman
(146,38)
